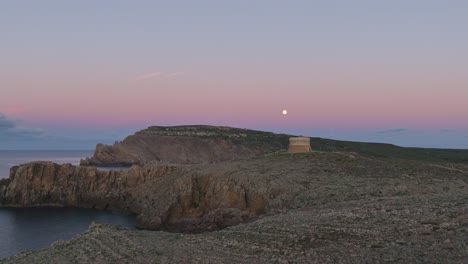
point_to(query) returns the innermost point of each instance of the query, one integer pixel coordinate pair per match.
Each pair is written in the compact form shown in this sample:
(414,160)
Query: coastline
(321,200)
(287,191)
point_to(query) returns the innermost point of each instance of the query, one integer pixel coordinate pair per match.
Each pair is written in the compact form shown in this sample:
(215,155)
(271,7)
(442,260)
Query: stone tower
(299,145)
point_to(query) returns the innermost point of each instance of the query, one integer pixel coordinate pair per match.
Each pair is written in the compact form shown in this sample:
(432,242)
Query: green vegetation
(271,142)
(267,141)
(391,151)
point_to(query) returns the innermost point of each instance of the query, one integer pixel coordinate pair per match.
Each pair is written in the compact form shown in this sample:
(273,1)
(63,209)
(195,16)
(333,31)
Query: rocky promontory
(347,202)
(210,144)
(188,145)
(211,196)
(169,197)
(310,208)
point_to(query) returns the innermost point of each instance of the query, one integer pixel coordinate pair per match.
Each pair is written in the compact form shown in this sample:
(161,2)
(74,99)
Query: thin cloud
(159,75)
(174,74)
(34,132)
(148,76)
(6,122)
(11,128)
(446,130)
(391,131)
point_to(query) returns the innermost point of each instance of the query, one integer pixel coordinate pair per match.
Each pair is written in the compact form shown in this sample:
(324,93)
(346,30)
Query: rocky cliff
(163,197)
(210,144)
(303,208)
(47,183)
(187,144)
(202,197)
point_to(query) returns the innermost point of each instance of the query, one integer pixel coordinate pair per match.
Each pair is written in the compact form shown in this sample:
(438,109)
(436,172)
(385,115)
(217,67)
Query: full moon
(285,112)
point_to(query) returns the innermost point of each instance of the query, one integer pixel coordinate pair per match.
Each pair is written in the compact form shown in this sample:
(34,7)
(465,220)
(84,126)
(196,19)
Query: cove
(26,229)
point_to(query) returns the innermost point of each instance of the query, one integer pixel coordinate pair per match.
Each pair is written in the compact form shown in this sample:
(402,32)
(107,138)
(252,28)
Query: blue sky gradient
(77,73)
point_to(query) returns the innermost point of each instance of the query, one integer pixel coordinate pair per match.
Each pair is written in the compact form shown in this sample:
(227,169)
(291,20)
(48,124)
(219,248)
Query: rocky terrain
(187,144)
(211,144)
(321,207)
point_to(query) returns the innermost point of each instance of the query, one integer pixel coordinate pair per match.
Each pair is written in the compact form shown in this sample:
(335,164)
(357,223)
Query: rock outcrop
(301,208)
(211,144)
(163,197)
(47,183)
(187,144)
(194,198)
(3,187)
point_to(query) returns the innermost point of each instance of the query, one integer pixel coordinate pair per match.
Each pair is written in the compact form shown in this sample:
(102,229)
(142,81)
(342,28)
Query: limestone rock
(193,198)
(318,207)
(162,196)
(187,144)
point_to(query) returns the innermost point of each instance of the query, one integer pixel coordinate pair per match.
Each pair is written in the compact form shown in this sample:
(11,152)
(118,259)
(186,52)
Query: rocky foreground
(303,208)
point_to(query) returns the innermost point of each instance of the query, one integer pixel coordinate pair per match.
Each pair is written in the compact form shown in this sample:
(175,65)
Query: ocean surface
(9,158)
(25,229)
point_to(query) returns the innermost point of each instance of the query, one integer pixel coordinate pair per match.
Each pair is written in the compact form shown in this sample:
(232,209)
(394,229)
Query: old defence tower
(299,145)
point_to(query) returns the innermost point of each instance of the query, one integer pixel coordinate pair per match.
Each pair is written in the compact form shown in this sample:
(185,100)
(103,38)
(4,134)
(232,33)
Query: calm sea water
(25,229)
(9,158)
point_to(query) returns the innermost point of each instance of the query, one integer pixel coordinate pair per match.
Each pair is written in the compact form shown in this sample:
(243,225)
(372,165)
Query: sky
(77,73)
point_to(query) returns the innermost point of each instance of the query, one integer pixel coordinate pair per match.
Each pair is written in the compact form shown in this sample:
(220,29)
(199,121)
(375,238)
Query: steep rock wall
(187,145)
(208,197)
(163,197)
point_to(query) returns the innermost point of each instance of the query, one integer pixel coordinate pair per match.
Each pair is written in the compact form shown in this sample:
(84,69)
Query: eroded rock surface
(187,144)
(400,229)
(304,208)
(195,198)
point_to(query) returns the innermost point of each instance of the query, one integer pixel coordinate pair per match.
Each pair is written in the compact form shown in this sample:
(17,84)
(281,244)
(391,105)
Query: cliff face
(315,207)
(210,144)
(46,183)
(3,187)
(212,196)
(162,196)
(187,144)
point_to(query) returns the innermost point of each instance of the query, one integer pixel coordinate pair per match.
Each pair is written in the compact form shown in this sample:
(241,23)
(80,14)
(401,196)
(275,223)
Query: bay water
(26,229)
(10,158)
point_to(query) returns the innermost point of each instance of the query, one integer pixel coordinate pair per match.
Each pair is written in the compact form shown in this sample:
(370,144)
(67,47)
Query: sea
(26,229)
(10,158)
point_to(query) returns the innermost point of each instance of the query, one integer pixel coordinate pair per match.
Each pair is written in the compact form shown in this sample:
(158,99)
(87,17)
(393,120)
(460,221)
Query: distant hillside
(210,144)
(391,151)
(187,144)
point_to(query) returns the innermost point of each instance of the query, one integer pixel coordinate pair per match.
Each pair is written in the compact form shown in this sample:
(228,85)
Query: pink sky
(353,67)
(325,99)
